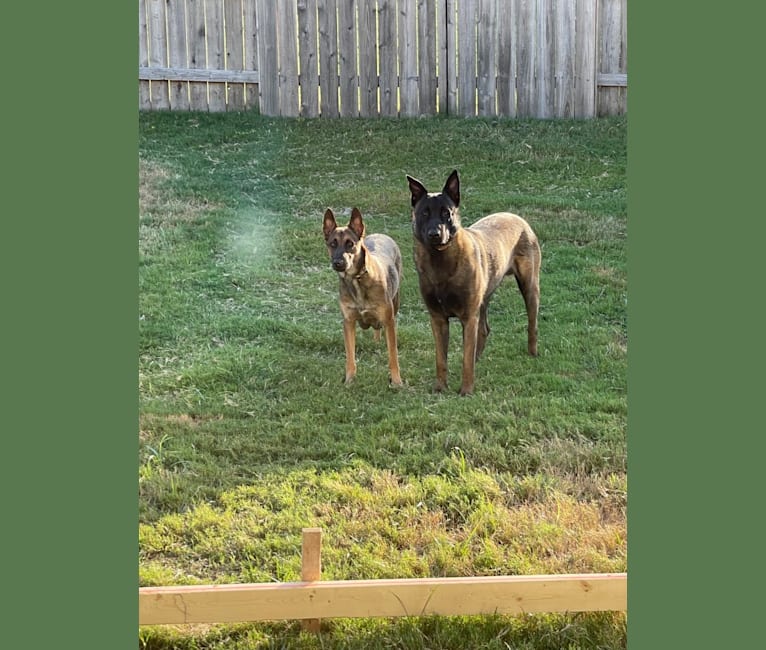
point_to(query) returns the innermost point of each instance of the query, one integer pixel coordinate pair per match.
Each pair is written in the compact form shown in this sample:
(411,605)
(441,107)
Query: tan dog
(459,268)
(370,270)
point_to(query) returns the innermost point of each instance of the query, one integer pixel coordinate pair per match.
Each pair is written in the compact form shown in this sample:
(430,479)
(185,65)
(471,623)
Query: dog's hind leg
(470,352)
(529,285)
(483,333)
(393,353)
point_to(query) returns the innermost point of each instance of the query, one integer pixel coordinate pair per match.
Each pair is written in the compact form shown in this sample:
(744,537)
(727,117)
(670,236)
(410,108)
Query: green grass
(248,434)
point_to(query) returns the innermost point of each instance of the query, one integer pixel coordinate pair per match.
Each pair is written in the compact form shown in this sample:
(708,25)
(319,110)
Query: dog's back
(386,252)
(508,242)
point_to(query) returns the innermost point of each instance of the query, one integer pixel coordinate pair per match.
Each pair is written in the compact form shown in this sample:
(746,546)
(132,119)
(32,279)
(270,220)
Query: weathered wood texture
(350,58)
(309,61)
(612,56)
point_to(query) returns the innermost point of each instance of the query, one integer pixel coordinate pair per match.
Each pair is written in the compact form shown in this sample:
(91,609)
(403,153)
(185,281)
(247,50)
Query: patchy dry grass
(378,524)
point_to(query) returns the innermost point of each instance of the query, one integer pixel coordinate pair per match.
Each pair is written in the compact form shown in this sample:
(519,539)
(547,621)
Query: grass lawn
(247,433)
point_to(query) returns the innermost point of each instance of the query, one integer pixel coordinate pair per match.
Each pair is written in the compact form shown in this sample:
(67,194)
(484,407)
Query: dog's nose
(339,265)
(435,235)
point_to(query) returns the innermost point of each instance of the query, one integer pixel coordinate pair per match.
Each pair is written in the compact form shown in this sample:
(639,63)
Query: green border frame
(70,315)
(693,454)
(70,312)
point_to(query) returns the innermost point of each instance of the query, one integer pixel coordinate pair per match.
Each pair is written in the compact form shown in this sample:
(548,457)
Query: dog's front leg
(349,341)
(470,336)
(440,329)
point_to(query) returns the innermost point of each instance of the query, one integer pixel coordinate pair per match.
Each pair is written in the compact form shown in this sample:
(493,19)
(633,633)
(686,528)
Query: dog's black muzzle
(439,235)
(339,264)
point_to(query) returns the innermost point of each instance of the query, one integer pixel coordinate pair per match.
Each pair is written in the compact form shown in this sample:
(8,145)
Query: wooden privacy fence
(337,58)
(311,600)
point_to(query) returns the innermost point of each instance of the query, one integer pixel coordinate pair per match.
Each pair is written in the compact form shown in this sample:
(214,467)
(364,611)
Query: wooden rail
(184,74)
(312,600)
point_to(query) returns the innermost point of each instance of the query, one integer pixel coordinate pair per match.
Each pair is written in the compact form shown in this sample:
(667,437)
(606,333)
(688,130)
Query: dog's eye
(446,215)
(334,243)
(349,244)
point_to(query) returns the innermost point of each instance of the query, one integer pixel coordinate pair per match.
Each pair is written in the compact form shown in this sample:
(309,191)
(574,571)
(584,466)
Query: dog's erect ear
(417,190)
(362,259)
(356,224)
(452,188)
(329,223)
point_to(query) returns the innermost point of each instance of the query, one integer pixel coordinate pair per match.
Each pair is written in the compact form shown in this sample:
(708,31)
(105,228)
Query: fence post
(311,567)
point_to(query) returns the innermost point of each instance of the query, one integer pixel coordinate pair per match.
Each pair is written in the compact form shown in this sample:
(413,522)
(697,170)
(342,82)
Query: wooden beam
(229,603)
(620,80)
(187,74)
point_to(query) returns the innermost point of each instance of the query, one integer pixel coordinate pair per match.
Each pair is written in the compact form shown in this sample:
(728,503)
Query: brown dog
(459,268)
(370,271)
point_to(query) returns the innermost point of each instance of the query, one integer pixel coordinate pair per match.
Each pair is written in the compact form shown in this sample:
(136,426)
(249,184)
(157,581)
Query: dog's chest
(356,294)
(443,299)
(361,301)
(443,284)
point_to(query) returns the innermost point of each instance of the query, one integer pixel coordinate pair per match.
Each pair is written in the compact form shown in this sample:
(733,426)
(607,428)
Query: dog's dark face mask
(435,217)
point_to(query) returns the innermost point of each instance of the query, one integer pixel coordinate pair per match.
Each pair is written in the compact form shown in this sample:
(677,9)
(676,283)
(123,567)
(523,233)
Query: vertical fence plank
(197,60)
(368,59)
(441,56)
(307,46)
(623,68)
(544,79)
(486,57)
(387,53)
(611,55)
(347,58)
(467,57)
(408,57)
(287,40)
(525,58)
(427,66)
(506,60)
(250,57)
(564,21)
(268,80)
(585,59)
(451,58)
(328,58)
(158,52)
(179,90)
(235,53)
(215,53)
(144,94)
